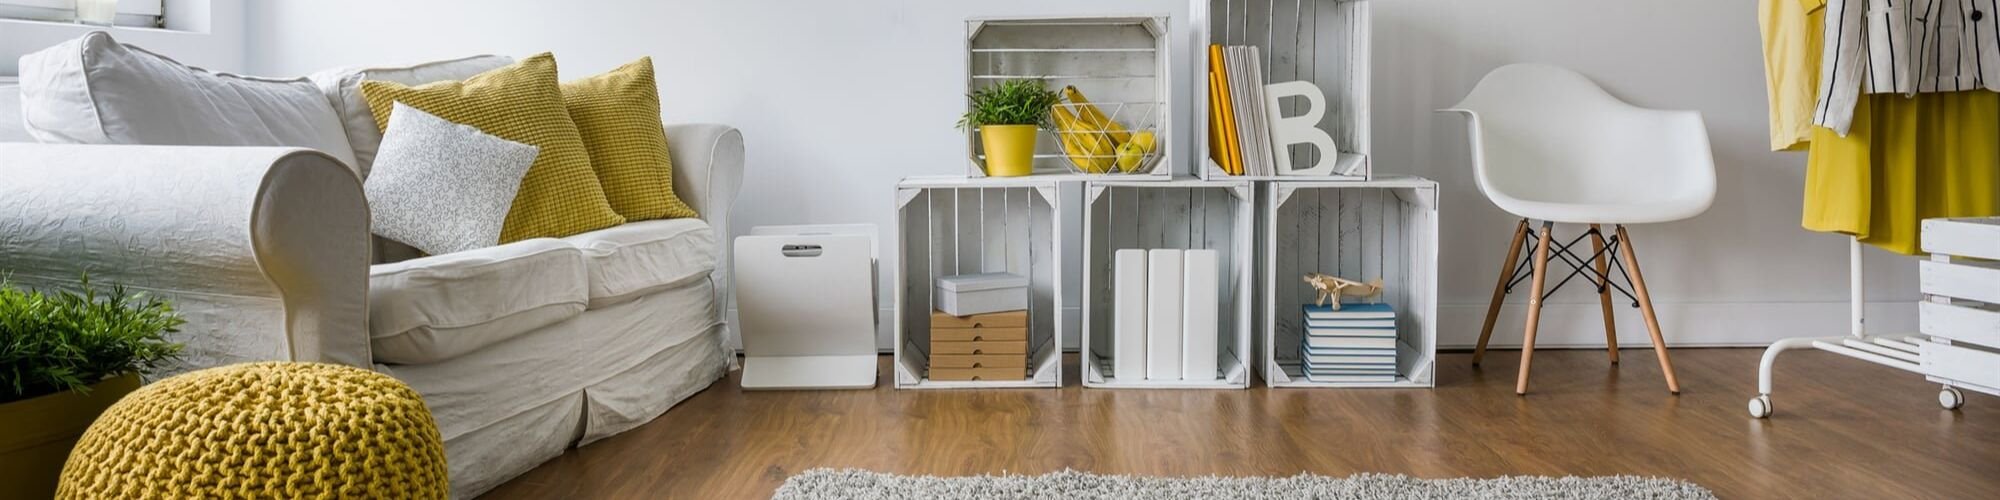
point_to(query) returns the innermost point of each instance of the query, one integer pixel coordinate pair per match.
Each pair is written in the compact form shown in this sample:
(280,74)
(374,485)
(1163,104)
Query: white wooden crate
(954,225)
(1183,213)
(1116,61)
(1325,42)
(1961,311)
(1386,228)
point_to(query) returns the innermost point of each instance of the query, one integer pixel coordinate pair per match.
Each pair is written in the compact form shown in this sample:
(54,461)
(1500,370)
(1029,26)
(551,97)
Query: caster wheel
(1950,398)
(1760,406)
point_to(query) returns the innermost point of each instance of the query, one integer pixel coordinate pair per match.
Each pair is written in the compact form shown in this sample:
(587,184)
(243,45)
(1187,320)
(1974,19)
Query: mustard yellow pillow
(619,115)
(521,102)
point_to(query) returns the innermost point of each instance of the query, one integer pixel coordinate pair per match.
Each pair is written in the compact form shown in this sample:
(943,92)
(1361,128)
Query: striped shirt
(1906,47)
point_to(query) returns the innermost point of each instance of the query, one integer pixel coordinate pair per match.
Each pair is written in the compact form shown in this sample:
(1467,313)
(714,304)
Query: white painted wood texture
(1325,42)
(946,227)
(1119,63)
(1960,312)
(1182,213)
(1385,229)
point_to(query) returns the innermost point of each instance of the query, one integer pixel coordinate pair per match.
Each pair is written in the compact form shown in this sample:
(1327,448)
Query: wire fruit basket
(1111,138)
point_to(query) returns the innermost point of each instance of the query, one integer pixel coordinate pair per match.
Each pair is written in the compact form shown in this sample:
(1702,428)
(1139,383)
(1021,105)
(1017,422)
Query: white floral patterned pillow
(443,187)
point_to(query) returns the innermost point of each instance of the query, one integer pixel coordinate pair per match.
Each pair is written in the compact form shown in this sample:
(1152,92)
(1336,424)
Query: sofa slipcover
(94,90)
(639,258)
(436,308)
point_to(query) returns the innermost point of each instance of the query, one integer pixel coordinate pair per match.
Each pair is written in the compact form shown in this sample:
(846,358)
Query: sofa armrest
(708,169)
(264,250)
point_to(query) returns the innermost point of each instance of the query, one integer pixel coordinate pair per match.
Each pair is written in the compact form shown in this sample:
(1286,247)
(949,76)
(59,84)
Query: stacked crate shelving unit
(1325,42)
(1120,62)
(1182,213)
(957,225)
(1385,228)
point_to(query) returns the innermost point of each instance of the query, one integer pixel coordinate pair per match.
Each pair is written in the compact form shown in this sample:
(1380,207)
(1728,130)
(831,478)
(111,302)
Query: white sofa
(521,350)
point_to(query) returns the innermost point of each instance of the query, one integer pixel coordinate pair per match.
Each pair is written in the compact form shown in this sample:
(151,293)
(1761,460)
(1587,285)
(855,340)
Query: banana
(1085,146)
(1094,118)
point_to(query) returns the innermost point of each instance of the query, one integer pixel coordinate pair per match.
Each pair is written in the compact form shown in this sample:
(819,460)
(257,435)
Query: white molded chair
(1549,145)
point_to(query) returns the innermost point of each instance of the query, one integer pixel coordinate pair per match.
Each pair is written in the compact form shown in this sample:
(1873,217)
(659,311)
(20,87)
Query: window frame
(131,13)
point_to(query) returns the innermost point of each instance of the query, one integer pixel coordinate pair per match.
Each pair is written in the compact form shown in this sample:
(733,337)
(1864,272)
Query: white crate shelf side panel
(1183,214)
(1357,232)
(944,231)
(1120,63)
(1325,42)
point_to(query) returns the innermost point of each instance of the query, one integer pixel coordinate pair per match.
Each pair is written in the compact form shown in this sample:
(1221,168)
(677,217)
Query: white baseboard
(1573,325)
(1697,324)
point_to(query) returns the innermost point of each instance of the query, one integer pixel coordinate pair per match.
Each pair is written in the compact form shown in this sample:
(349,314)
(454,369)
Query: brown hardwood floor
(1844,429)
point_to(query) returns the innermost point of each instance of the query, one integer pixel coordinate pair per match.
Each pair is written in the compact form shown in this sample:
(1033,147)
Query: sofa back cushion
(94,90)
(11,128)
(342,87)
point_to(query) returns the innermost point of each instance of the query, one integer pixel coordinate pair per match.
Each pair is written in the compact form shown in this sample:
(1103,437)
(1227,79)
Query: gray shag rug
(851,483)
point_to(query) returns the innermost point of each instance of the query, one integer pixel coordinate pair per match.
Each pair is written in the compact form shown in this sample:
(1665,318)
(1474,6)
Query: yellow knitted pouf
(262,430)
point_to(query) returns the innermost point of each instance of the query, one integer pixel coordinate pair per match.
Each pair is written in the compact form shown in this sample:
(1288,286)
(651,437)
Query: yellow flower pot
(40,432)
(1010,149)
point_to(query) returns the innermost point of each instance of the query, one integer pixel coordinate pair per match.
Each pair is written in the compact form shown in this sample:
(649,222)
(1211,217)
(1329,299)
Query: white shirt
(1906,47)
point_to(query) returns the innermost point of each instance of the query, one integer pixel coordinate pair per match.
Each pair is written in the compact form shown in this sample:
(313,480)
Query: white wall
(205,33)
(838,100)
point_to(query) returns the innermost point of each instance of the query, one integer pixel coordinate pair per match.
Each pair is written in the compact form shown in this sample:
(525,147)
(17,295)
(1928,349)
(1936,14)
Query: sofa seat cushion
(639,258)
(435,308)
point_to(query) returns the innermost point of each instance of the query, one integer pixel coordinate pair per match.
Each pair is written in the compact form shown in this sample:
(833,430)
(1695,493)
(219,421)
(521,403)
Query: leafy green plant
(1011,102)
(68,340)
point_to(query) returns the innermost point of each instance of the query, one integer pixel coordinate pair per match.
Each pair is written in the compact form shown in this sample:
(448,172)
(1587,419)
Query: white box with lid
(969,294)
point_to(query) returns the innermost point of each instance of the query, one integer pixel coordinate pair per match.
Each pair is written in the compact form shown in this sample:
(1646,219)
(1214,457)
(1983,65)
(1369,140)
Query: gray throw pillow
(443,187)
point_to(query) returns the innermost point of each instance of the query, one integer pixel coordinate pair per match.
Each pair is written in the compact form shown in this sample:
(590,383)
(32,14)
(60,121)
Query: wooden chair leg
(1500,289)
(1604,291)
(1534,305)
(1646,308)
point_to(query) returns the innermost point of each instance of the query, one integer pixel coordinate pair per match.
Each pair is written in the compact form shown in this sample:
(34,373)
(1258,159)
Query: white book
(1239,75)
(1199,315)
(1128,338)
(1259,114)
(1163,318)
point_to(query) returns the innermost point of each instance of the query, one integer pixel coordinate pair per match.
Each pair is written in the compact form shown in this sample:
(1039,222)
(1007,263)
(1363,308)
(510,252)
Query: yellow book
(1216,144)
(1232,143)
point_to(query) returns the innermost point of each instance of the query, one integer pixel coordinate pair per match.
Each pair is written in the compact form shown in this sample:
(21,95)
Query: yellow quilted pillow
(521,102)
(619,115)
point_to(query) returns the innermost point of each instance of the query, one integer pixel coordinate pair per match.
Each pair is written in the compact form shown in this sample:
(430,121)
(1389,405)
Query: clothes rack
(1898,352)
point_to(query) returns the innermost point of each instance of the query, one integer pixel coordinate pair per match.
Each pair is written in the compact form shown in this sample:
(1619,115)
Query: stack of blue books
(1356,344)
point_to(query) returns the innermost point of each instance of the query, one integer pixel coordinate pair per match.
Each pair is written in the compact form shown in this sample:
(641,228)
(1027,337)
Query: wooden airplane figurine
(1333,287)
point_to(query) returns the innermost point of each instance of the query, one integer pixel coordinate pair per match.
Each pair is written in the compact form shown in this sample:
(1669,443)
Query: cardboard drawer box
(1015,348)
(1004,334)
(1009,319)
(979,361)
(960,374)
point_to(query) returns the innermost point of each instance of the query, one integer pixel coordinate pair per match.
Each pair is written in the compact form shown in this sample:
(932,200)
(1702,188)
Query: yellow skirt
(1906,159)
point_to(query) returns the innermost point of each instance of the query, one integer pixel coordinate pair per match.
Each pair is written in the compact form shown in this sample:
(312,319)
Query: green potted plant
(66,356)
(1009,115)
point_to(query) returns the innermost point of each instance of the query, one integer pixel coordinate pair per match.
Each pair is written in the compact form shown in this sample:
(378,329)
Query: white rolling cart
(1959,344)
(955,225)
(1386,228)
(1183,213)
